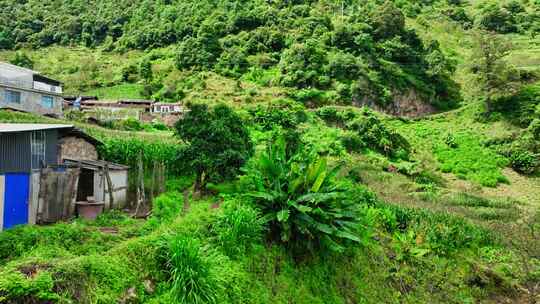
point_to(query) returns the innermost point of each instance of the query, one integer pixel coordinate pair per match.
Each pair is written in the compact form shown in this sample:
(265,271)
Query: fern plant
(302,202)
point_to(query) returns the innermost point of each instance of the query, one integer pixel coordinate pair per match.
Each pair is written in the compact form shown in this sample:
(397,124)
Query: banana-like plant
(301,200)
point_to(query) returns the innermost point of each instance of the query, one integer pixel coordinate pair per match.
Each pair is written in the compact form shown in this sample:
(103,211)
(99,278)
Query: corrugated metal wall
(51,147)
(16,151)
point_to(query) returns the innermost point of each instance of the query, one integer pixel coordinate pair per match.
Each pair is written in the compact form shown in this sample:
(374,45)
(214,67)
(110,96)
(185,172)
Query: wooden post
(74,189)
(140,185)
(154,183)
(109,186)
(163,180)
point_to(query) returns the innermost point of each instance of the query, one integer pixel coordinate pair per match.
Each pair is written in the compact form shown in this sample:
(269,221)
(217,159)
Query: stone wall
(77,148)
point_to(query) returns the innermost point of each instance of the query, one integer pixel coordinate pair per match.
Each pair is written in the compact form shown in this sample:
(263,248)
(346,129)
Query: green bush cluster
(75,238)
(509,17)
(522,149)
(366,131)
(466,157)
(185,261)
(284,113)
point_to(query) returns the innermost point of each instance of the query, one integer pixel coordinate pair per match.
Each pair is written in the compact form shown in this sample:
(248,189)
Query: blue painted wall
(16,197)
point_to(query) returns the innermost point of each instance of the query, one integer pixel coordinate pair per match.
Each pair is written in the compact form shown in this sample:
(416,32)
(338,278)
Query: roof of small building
(95,164)
(167,104)
(24,127)
(29,71)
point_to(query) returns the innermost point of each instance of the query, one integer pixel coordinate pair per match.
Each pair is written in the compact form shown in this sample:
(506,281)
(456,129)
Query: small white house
(166,108)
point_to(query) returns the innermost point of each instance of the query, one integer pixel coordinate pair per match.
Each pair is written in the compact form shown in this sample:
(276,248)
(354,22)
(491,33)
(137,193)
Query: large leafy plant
(302,201)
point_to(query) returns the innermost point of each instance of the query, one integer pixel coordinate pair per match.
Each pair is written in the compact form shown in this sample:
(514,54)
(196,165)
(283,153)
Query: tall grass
(191,278)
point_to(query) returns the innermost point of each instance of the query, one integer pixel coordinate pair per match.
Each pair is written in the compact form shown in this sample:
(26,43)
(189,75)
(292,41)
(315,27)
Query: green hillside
(351,151)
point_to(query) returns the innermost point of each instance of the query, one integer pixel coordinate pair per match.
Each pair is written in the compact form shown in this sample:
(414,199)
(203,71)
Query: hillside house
(166,108)
(44,171)
(28,91)
(104,110)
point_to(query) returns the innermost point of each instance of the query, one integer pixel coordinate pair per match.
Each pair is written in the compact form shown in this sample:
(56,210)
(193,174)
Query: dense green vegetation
(365,54)
(281,186)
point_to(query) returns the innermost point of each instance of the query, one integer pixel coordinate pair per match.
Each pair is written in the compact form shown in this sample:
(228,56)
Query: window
(47,101)
(37,145)
(13,96)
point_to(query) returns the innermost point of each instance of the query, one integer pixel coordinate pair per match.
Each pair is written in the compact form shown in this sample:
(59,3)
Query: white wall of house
(119,180)
(47,87)
(30,101)
(167,108)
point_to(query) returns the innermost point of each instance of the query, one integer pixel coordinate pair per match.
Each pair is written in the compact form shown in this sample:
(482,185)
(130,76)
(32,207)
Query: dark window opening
(86,185)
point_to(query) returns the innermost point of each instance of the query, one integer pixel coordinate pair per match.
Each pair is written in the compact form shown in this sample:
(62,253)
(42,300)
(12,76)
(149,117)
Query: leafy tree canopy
(218,142)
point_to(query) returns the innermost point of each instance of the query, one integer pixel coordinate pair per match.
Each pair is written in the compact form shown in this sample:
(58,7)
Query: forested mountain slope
(356,52)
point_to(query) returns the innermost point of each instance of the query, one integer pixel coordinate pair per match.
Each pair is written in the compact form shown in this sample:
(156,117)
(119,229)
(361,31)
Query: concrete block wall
(31,101)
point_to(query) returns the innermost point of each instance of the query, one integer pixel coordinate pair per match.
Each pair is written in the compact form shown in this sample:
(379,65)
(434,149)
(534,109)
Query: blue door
(16,199)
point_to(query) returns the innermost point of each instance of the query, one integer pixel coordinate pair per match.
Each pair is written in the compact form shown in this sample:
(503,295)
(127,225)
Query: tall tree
(495,76)
(218,142)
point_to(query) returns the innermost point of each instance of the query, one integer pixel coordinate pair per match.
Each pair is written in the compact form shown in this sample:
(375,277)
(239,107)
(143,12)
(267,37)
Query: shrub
(299,197)
(378,136)
(352,142)
(337,116)
(302,65)
(310,97)
(22,60)
(238,228)
(129,124)
(284,113)
(524,161)
(167,207)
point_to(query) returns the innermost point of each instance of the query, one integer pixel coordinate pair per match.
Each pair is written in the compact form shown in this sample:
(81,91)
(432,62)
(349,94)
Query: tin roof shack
(26,90)
(93,181)
(35,184)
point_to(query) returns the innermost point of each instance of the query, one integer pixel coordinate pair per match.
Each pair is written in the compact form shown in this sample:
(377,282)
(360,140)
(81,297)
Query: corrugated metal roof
(23,127)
